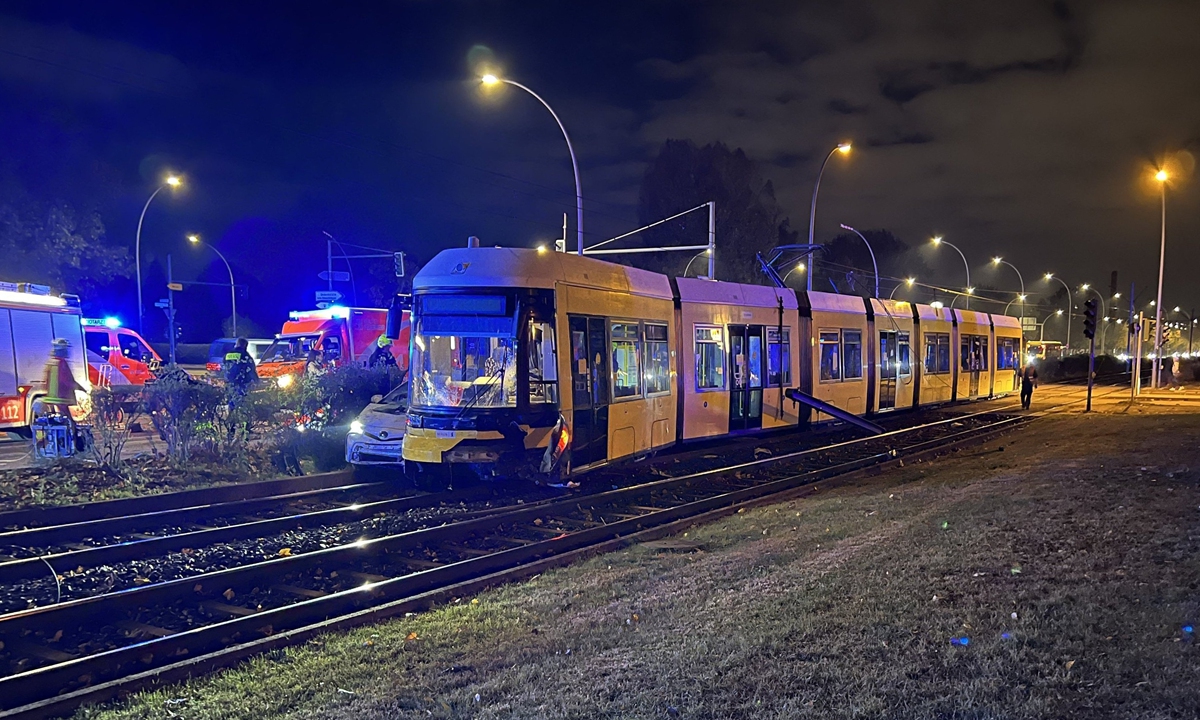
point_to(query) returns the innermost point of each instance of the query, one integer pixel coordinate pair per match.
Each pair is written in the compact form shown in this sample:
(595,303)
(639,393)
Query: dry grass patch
(839,605)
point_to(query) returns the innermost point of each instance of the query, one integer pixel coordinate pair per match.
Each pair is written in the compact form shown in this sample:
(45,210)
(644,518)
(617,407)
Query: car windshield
(289,349)
(398,396)
(464,360)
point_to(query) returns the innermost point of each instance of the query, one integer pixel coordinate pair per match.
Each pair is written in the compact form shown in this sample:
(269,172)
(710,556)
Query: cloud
(1017,127)
(74,65)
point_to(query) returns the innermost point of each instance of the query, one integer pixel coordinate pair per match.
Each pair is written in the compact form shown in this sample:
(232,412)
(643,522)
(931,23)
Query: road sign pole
(171,308)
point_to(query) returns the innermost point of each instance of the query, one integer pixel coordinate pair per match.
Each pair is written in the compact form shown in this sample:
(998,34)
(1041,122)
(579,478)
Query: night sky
(1027,129)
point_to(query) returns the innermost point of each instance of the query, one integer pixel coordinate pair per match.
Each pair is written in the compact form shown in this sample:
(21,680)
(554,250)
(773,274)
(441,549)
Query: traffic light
(1089,319)
(398,259)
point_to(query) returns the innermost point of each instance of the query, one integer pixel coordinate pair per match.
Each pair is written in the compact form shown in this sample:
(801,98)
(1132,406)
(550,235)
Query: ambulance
(117,357)
(31,319)
(333,337)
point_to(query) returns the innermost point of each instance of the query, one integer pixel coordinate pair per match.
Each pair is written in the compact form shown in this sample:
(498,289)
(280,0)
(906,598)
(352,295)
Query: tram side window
(543,370)
(779,358)
(904,353)
(851,354)
(831,366)
(1006,354)
(626,349)
(973,349)
(937,353)
(710,358)
(658,360)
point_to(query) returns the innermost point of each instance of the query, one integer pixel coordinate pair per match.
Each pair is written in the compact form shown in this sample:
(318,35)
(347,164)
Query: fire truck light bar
(25,298)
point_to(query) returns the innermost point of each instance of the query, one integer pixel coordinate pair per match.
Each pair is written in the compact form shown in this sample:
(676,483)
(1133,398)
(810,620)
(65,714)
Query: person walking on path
(1029,380)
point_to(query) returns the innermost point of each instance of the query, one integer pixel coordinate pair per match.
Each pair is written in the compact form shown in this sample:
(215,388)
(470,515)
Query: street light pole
(939,240)
(843,148)
(490,79)
(171,181)
(195,239)
(1161,177)
(1070,307)
(874,264)
(799,266)
(909,282)
(1002,261)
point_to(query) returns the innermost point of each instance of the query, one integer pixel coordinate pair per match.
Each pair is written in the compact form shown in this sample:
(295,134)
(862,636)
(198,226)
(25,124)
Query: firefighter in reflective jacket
(60,382)
(240,372)
(382,357)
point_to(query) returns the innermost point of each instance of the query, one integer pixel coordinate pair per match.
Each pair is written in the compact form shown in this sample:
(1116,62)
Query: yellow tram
(544,364)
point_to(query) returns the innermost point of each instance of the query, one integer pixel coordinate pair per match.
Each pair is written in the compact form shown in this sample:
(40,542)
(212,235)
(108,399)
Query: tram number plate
(445,434)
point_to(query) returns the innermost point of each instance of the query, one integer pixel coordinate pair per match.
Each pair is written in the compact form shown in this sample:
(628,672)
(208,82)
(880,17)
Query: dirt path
(1065,555)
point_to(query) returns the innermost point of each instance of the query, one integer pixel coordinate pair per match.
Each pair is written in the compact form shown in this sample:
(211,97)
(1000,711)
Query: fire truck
(31,319)
(332,337)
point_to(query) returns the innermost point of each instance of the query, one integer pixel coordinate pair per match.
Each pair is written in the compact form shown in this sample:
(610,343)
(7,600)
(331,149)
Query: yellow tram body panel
(839,341)
(974,355)
(645,418)
(1008,353)
(737,357)
(936,355)
(894,355)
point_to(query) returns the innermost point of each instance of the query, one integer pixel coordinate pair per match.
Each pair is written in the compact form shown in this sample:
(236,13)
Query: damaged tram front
(484,392)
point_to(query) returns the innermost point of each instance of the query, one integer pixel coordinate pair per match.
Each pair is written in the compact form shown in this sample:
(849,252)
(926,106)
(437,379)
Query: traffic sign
(328,296)
(175,286)
(1029,323)
(162,303)
(338,275)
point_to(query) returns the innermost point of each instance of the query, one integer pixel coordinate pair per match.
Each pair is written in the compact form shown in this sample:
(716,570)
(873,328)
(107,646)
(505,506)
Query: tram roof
(1005,321)
(522,267)
(698,290)
(972,316)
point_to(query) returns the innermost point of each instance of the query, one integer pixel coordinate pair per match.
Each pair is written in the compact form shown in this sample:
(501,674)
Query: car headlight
(356,428)
(284,381)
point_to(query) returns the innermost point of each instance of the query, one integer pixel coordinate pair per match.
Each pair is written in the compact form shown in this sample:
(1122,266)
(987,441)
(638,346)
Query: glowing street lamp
(1001,261)
(707,252)
(171,181)
(908,282)
(799,268)
(195,240)
(490,80)
(843,149)
(939,240)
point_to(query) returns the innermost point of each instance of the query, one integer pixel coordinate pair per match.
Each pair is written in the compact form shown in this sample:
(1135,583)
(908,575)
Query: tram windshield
(465,359)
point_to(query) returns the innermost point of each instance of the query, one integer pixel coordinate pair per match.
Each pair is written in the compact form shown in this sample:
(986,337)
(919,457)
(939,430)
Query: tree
(53,243)
(748,219)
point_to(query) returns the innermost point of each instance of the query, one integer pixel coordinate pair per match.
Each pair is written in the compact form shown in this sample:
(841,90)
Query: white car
(378,432)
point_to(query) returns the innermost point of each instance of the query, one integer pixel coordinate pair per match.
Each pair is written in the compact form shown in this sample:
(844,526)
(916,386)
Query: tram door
(974,354)
(746,386)
(589,387)
(888,370)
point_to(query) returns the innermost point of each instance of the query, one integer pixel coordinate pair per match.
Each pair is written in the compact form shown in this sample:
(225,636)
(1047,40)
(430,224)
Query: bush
(1075,367)
(183,410)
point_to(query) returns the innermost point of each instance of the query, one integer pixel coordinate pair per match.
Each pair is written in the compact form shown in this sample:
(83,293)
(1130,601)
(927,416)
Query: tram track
(91,648)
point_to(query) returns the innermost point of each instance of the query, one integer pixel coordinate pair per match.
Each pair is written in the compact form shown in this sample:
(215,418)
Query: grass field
(1066,562)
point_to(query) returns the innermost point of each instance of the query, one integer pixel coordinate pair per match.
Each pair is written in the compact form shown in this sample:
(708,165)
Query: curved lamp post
(689,265)
(491,79)
(907,283)
(843,148)
(939,240)
(1002,261)
(1070,306)
(172,181)
(799,266)
(873,263)
(195,240)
